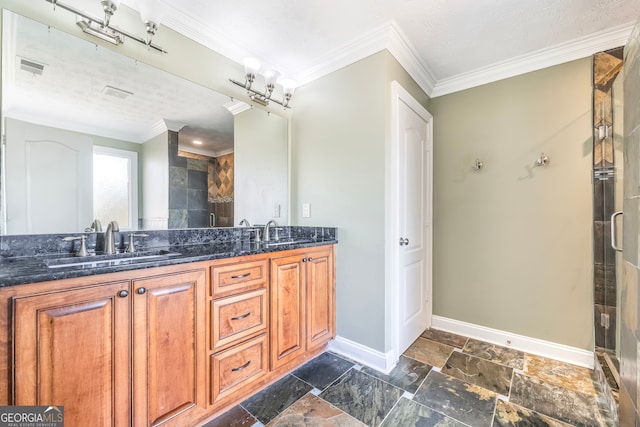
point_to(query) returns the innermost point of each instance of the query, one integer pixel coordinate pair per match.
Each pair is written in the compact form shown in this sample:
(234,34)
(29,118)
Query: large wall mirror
(93,134)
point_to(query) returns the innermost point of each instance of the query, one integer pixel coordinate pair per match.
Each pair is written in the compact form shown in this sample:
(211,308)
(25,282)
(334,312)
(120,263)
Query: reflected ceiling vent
(116,92)
(32,67)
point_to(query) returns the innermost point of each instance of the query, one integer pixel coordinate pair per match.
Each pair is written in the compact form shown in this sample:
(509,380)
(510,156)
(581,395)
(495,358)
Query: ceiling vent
(31,67)
(116,92)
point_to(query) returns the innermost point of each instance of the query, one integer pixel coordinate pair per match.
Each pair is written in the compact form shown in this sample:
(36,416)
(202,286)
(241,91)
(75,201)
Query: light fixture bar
(259,97)
(99,33)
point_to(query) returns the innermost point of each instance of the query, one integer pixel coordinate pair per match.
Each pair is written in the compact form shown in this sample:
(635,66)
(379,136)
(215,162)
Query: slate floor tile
(408,374)
(323,370)
(234,417)
(443,337)
(464,402)
(481,372)
(555,401)
(430,352)
(311,411)
(268,403)
(559,373)
(495,353)
(510,415)
(408,413)
(362,396)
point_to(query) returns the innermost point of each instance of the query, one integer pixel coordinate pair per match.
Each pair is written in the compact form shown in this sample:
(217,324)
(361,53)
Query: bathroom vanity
(166,341)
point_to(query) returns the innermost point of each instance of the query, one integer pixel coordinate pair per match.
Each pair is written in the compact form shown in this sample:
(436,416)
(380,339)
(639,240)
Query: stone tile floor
(441,380)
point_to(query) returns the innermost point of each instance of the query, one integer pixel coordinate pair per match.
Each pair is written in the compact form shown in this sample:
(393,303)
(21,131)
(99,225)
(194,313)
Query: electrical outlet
(276,211)
(306,210)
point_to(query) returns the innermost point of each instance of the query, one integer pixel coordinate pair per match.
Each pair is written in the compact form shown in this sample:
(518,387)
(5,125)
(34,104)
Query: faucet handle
(257,231)
(277,236)
(83,244)
(131,249)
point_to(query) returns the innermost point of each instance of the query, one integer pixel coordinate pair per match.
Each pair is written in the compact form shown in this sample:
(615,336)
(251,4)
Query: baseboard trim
(548,349)
(383,362)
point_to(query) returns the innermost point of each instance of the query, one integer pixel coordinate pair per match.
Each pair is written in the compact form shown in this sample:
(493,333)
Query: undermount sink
(94,261)
(287,242)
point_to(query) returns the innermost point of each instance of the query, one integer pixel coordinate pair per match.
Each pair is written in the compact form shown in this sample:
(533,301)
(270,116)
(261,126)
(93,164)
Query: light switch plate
(276,211)
(306,210)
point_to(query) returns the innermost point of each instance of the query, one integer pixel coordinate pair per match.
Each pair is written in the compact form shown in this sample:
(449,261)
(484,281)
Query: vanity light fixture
(150,12)
(271,77)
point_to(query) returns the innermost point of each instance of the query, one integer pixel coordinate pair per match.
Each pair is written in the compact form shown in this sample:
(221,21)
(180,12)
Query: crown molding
(387,36)
(404,52)
(575,49)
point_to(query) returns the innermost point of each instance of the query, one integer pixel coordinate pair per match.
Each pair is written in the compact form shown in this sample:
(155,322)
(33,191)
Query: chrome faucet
(245,223)
(95,227)
(265,232)
(109,238)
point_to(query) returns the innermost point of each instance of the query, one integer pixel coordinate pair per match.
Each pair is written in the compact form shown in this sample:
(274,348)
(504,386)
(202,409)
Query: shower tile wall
(198,186)
(629,319)
(606,67)
(188,189)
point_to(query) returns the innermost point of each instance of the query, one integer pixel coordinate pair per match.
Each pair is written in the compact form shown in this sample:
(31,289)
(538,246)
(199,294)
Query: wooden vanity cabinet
(72,349)
(131,352)
(169,339)
(302,303)
(239,323)
(170,346)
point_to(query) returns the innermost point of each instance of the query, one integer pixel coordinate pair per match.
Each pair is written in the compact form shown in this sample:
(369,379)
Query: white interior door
(50,179)
(412,182)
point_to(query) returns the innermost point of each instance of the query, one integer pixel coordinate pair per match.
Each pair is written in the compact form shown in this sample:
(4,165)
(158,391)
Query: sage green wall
(155,182)
(339,136)
(513,242)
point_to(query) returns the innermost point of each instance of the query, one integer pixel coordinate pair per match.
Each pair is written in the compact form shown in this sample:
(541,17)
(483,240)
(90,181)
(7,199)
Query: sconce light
(150,11)
(252,68)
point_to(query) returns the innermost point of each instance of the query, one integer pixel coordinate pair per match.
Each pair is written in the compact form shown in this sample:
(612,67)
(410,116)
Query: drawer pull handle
(241,276)
(240,368)
(244,316)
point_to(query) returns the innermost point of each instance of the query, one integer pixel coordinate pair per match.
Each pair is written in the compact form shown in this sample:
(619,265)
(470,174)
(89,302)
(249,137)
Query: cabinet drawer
(237,317)
(237,277)
(237,367)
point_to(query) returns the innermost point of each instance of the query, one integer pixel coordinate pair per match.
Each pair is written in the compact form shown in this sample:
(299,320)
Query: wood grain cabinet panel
(237,317)
(169,346)
(236,277)
(238,366)
(302,304)
(320,299)
(288,296)
(72,350)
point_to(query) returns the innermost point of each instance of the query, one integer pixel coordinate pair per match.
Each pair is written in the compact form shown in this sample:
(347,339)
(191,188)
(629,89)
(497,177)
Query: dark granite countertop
(20,270)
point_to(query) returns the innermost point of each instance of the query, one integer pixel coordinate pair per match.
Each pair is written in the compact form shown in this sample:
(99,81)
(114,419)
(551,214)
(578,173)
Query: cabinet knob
(309,259)
(141,291)
(123,294)
(304,260)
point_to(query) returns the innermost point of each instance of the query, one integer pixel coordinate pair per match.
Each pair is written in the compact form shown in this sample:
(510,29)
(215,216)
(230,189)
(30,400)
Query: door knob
(404,242)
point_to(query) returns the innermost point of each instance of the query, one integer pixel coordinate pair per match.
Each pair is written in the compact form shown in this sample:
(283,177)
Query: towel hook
(477,165)
(543,160)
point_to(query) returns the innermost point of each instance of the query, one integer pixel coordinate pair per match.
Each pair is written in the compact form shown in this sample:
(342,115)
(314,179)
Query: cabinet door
(72,349)
(320,298)
(287,309)
(169,352)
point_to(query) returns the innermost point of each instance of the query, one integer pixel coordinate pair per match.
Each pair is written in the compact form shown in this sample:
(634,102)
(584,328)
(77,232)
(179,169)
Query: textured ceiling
(448,37)
(70,92)
(442,43)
